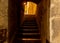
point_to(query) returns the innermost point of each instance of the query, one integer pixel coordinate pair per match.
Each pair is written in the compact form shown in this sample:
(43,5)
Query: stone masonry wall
(3,13)
(55,21)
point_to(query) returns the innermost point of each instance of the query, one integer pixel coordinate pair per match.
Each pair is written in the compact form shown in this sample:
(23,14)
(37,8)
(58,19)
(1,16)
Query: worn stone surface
(55,8)
(56,39)
(56,27)
(3,13)
(55,21)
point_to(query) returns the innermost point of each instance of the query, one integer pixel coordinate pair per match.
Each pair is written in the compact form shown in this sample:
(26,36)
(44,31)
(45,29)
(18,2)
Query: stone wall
(55,21)
(3,13)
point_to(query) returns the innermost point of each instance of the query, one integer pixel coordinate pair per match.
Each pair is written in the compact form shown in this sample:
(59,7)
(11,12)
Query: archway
(30,8)
(15,17)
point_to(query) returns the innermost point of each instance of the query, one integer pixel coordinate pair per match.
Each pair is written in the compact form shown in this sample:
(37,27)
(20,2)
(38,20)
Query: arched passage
(30,8)
(15,18)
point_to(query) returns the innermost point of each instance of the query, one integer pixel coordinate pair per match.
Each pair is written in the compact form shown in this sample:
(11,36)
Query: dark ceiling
(35,1)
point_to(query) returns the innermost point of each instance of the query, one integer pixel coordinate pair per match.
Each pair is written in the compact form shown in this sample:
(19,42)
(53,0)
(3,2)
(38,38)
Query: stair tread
(30,20)
(29,26)
(29,29)
(30,33)
(29,39)
(29,36)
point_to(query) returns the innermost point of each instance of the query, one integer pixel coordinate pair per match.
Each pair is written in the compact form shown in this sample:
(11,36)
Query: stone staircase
(28,32)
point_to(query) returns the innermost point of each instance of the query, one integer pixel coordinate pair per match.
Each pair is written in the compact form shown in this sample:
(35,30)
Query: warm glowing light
(24,3)
(29,39)
(30,8)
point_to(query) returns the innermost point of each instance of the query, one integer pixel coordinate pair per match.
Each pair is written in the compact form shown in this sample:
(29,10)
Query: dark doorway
(16,20)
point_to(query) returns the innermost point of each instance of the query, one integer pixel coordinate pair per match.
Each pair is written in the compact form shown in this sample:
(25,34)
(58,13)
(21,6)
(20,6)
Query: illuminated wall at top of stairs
(30,8)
